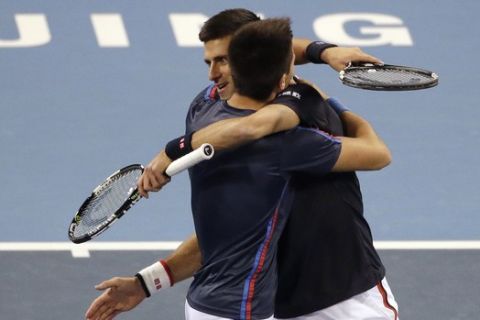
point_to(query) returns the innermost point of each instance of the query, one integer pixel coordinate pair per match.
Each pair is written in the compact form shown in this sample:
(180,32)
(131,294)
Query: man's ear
(283,82)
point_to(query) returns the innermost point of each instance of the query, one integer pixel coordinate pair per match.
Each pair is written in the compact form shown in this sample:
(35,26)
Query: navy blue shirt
(326,253)
(240,202)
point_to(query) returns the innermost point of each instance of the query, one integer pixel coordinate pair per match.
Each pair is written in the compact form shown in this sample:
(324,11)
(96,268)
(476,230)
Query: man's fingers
(146,182)
(158,179)
(141,191)
(152,178)
(114,314)
(92,310)
(107,313)
(371,59)
(140,186)
(97,304)
(161,179)
(102,313)
(107,284)
(147,185)
(153,181)
(361,56)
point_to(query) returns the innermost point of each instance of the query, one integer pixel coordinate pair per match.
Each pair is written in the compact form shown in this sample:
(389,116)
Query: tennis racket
(118,193)
(387,77)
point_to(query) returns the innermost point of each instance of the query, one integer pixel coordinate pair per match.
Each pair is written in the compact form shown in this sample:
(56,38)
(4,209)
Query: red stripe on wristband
(169,272)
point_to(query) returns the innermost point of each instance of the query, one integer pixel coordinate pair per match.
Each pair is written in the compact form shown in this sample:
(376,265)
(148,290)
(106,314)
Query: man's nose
(213,73)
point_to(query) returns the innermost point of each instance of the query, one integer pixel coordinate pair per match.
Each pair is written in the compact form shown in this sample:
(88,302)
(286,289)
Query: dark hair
(259,54)
(225,23)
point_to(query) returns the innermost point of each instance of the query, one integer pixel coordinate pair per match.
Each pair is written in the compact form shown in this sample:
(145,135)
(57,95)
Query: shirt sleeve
(202,100)
(307,150)
(308,104)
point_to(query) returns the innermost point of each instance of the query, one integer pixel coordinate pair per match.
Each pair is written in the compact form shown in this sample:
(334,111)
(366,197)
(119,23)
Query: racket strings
(107,199)
(390,76)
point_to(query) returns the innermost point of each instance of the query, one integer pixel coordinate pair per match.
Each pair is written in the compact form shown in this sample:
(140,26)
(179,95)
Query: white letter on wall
(32,29)
(388,30)
(186,27)
(109,30)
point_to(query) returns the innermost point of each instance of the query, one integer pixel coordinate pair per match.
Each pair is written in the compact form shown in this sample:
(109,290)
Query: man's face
(215,53)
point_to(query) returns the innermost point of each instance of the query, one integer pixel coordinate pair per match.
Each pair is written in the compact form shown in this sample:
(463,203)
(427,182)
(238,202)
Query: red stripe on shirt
(251,287)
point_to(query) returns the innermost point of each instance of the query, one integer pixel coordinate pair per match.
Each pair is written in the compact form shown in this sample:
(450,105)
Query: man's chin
(224,94)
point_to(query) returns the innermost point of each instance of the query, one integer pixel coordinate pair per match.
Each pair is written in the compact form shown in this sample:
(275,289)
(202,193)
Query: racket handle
(204,152)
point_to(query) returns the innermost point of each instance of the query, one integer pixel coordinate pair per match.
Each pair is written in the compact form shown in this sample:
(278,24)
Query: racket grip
(204,152)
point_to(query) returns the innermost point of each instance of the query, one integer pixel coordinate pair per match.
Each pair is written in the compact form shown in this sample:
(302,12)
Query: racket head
(387,77)
(106,204)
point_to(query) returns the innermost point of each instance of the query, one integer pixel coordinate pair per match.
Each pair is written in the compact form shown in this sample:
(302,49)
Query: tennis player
(191,250)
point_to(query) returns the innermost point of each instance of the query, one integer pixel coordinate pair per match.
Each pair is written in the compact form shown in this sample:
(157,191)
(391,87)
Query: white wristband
(156,276)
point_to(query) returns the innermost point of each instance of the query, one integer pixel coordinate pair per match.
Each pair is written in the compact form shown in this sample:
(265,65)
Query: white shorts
(377,303)
(192,314)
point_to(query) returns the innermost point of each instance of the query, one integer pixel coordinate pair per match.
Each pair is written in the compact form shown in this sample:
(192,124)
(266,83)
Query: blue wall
(73,109)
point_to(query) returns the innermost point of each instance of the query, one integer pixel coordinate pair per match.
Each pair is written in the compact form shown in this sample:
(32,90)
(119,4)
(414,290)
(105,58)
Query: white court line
(83,250)
(427,245)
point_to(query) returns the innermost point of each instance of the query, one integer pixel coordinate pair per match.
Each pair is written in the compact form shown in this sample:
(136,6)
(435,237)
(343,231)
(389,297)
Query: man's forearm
(233,132)
(357,127)
(223,134)
(299,47)
(373,151)
(337,57)
(185,260)
(314,54)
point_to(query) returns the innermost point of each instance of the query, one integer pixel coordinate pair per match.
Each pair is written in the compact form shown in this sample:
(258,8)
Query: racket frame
(133,198)
(204,152)
(387,87)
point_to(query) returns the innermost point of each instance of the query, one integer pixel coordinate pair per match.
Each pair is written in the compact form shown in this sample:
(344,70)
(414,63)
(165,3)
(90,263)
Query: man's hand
(153,177)
(122,294)
(339,57)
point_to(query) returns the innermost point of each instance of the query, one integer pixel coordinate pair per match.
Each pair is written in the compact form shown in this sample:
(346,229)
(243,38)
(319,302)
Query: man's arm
(363,149)
(337,57)
(154,177)
(316,153)
(120,294)
(185,260)
(222,135)
(125,293)
(237,131)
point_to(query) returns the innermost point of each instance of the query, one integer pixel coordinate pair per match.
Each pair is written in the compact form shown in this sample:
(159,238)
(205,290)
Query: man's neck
(243,102)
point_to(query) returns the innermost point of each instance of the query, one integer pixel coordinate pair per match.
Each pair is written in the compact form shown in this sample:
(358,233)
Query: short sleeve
(202,101)
(308,104)
(309,150)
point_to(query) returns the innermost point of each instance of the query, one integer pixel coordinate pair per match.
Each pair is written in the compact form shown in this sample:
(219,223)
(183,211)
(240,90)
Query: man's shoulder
(208,94)
(205,98)
(301,90)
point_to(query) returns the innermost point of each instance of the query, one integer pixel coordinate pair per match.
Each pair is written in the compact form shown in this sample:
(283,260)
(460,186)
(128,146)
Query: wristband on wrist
(142,283)
(337,106)
(179,147)
(155,277)
(315,49)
